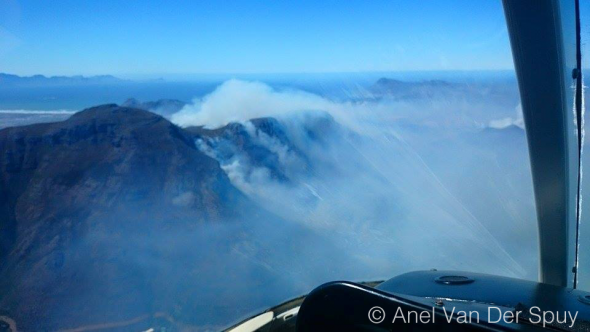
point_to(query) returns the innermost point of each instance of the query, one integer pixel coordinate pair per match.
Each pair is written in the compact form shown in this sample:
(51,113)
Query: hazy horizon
(29,94)
(421,74)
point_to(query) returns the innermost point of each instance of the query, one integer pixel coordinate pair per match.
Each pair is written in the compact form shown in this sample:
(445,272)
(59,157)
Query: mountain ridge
(8,80)
(69,189)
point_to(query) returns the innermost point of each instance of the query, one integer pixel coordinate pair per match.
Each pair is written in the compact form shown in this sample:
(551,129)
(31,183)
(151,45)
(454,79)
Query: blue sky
(134,38)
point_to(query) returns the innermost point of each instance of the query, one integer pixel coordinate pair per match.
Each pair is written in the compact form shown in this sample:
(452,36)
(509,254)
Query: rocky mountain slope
(115,219)
(83,201)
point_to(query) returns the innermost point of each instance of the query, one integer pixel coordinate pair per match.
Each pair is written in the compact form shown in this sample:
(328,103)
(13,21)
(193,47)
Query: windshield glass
(187,166)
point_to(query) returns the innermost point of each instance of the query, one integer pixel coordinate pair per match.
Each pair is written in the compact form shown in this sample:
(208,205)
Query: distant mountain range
(445,90)
(8,80)
(392,88)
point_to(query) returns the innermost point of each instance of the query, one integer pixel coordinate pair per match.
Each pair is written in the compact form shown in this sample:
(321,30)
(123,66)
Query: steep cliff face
(284,149)
(72,191)
(261,143)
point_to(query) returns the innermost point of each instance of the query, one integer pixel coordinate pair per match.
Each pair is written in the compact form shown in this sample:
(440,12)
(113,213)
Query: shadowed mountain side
(114,213)
(104,157)
(281,146)
(258,139)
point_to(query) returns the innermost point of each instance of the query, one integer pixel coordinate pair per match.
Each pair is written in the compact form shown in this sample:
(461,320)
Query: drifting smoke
(237,101)
(517,121)
(398,184)
(358,110)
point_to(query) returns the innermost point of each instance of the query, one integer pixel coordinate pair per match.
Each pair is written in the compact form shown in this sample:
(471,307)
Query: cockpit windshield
(188,165)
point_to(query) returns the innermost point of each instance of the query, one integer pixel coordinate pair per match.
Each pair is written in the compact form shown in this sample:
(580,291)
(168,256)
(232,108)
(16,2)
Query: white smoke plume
(399,181)
(239,101)
(506,122)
